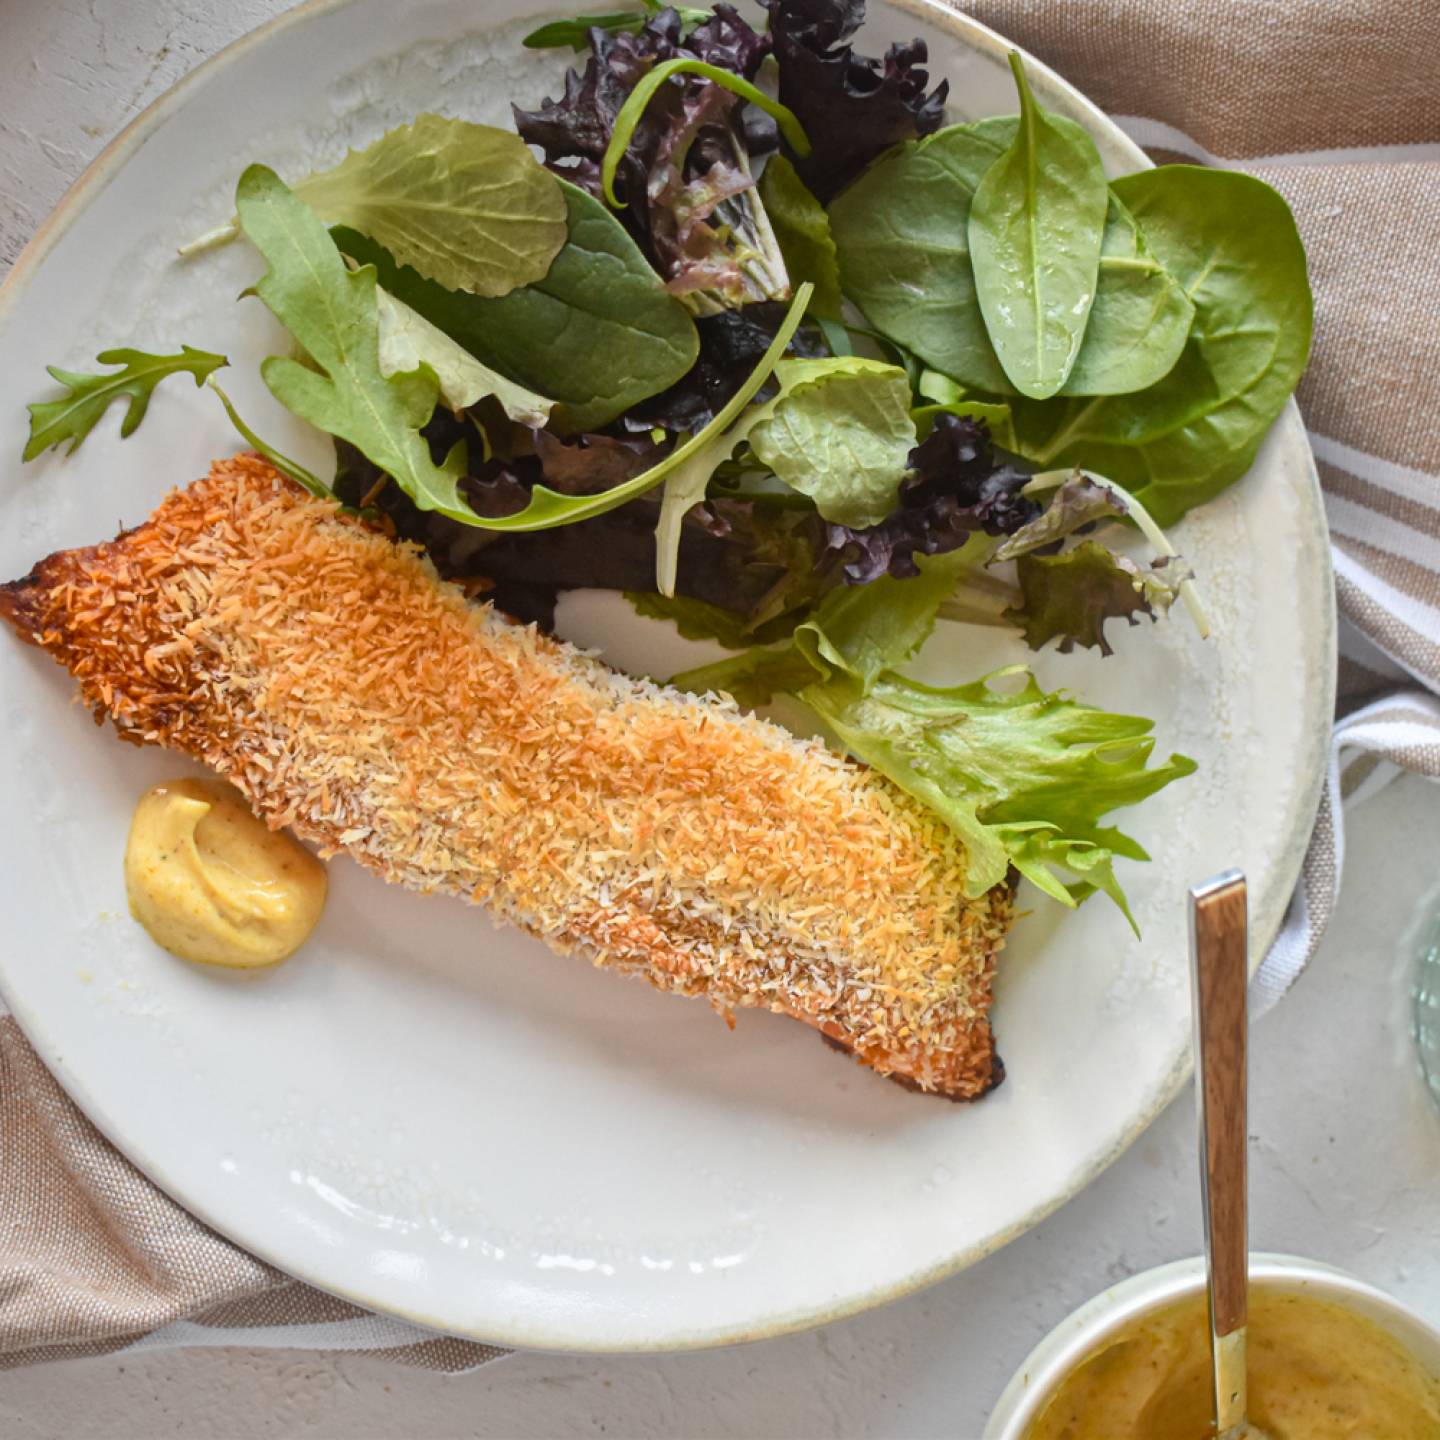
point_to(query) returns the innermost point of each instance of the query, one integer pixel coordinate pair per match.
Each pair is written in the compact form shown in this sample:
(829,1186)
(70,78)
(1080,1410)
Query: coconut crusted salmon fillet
(367,705)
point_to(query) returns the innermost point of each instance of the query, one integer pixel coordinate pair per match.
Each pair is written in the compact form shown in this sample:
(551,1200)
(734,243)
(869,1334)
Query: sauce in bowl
(1317,1371)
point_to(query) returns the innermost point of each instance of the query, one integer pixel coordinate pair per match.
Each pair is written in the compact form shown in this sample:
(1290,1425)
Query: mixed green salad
(739,326)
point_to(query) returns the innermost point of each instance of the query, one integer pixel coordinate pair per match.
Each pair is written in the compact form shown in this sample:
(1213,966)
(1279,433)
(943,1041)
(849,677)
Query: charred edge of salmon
(988,1071)
(23,602)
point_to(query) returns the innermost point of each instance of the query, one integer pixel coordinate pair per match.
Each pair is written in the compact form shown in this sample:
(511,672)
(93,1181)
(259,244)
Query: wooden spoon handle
(1218,960)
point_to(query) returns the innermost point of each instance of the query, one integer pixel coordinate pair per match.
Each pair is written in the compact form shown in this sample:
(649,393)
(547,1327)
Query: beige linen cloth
(1335,103)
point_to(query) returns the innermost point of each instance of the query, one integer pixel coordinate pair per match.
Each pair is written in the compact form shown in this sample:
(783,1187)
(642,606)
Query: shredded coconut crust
(359,700)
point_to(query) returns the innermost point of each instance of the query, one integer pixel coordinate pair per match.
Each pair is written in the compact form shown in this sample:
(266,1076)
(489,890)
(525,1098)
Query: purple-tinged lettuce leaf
(1070,596)
(1077,503)
(685,178)
(853,108)
(754,565)
(955,488)
(731,345)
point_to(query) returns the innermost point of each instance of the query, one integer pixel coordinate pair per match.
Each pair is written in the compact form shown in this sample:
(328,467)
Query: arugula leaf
(286,466)
(599,333)
(1036,221)
(803,231)
(467,205)
(408,340)
(331,312)
(1024,778)
(1231,243)
(840,432)
(635,103)
(574,34)
(74,416)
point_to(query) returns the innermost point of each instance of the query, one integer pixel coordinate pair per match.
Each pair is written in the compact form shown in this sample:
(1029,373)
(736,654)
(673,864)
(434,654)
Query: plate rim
(973,35)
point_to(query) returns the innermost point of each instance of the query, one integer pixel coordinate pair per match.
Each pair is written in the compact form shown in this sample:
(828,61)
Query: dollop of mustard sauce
(212,884)
(1316,1371)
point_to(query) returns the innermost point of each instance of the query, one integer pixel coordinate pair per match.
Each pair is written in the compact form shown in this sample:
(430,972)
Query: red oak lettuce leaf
(851,107)
(1070,596)
(756,563)
(957,486)
(731,345)
(685,177)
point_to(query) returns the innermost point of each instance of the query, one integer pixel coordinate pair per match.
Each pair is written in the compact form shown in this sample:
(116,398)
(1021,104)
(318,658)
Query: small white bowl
(1077,1337)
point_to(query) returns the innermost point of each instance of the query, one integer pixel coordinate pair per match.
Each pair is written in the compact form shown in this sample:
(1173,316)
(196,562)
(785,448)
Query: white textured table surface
(1345,1147)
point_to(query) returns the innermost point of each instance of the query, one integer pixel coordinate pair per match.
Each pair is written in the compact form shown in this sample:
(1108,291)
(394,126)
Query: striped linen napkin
(1334,102)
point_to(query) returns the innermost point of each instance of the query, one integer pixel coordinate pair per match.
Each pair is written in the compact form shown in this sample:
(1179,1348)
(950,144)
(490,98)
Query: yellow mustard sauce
(212,884)
(1317,1371)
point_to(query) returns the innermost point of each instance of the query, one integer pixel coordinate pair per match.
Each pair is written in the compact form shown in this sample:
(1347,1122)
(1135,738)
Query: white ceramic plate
(447,1122)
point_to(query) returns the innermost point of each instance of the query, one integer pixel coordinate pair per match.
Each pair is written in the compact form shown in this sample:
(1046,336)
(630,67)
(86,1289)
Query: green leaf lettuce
(1022,776)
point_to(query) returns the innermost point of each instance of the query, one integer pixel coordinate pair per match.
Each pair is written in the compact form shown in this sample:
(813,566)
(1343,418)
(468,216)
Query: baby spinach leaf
(74,415)
(840,432)
(903,249)
(803,231)
(1230,242)
(1035,226)
(902,241)
(408,340)
(1139,320)
(283,463)
(331,313)
(598,334)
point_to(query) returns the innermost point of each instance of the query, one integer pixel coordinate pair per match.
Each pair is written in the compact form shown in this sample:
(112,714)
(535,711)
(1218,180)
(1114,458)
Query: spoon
(1218,980)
